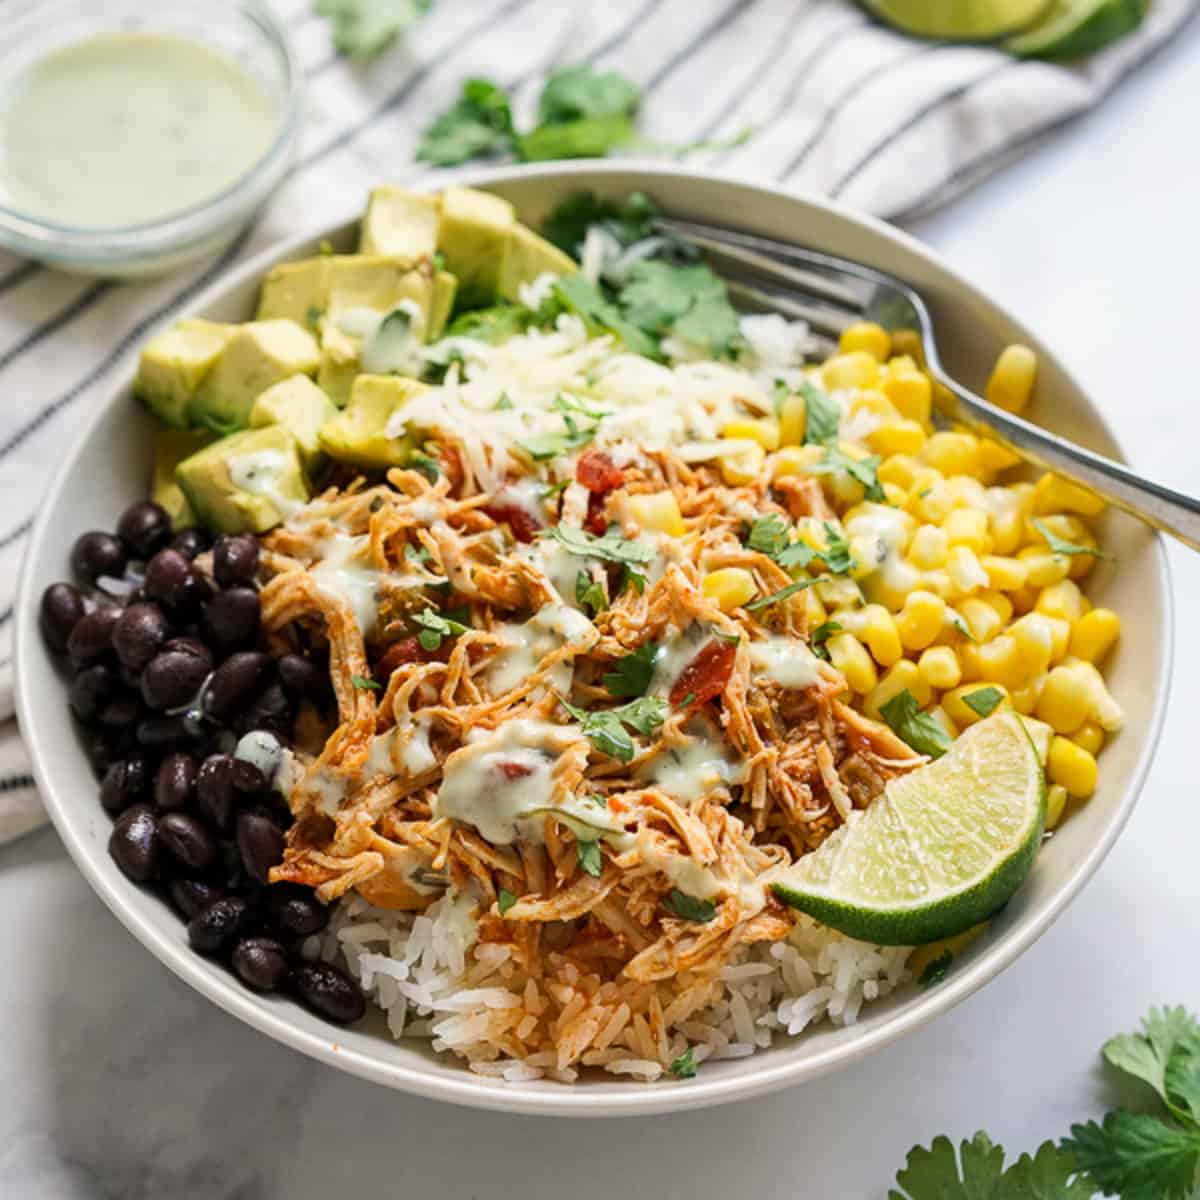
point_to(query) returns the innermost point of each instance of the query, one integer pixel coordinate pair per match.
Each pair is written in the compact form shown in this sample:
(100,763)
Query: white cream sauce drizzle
(690,772)
(259,474)
(527,644)
(344,573)
(786,661)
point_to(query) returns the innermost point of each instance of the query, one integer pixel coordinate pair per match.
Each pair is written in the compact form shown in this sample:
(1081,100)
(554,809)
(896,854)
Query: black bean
(248,778)
(175,782)
(161,732)
(230,620)
(123,711)
(61,610)
(190,645)
(95,554)
(91,689)
(125,783)
(187,840)
(139,633)
(91,639)
(144,527)
(303,679)
(294,910)
(236,683)
(173,677)
(190,542)
(134,843)
(191,895)
(215,928)
(260,963)
(215,792)
(329,992)
(260,843)
(235,558)
(169,578)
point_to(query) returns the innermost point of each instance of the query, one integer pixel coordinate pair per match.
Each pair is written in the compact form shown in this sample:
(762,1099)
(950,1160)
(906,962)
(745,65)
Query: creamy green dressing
(126,128)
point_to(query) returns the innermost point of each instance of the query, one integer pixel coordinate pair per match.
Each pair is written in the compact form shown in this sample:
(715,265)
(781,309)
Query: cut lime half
(959,20)
(1072,28)
(941,849)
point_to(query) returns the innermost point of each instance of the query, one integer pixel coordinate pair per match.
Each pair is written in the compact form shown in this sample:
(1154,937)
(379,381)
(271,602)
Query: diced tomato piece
(596,520)
(707,675)
(514,770)
(406,650)
(524,525)
(597,472)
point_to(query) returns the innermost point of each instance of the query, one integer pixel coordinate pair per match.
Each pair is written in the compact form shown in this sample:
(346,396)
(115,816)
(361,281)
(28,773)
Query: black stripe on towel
(17,534)
(701,39)
(16,783)
(18,275)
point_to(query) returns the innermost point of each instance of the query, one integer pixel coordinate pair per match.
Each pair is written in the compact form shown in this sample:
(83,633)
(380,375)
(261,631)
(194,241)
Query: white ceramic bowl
(109,467)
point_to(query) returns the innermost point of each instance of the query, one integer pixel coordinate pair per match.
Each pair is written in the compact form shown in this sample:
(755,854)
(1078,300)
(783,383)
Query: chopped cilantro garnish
(631,675)
(607,547)
(416,554)
(505,901)
(429,467)
(984,700)
(688,700)
(479,124)
(1061,545)
(821,635)
(689,908)
(550,445)
(312,316)
(503,404)
(959,623)
(435,628)
(836,556)
(768,534)
(784,592)
(363,683)
(591,592)
(936,969)
(821,416)
(690,302)
(553,489)
(684,1067)
(591,862)
(571,93)
(601,315)
(921,731)
(605,728)
(861,469)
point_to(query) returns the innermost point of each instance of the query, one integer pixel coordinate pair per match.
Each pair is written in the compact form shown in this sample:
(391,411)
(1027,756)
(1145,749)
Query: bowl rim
(450,1081)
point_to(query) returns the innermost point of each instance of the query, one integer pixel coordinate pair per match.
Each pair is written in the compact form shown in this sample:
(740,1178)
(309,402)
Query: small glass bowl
(244,30)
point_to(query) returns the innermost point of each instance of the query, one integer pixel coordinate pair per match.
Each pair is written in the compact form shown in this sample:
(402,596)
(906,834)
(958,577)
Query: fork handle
(1161,507)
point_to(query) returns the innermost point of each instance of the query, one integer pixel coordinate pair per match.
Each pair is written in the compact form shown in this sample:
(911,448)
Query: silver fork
(831,293)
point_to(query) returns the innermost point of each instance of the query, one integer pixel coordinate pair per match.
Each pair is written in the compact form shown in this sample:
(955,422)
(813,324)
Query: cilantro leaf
(364,27)
(588,302)
(505,901)
(861,469)
(435,628)
(568,224)
(493,325)
(429,467)
(936,969)
(690,908)
(822,414)
(605,728)
(958,623)
(591,592)
(631,675)
(784,592)
(589,137)
(688,301)
(364,684)
(608,547)
(545,446)
(836,556)
(1061,545)
(983,700)
(820,636)
(580,91)
(768,534)
(591,862)
(918,729)
(478,124)
(1168,1035)
(1136,1156)
(684,1067)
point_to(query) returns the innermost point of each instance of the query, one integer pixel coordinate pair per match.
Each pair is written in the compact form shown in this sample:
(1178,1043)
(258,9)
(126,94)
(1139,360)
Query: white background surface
(115,1080)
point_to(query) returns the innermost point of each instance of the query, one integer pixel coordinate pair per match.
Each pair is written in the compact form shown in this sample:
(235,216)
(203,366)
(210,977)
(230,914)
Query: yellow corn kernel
(1010,384)
(892,585)
(961,713)
(940,668)
(657,511)
(901,436)
(900,469)
(1056,803)
(730,587)
(921,619)
(868,337)
(938,582)
(741,463)
(1089,736)
(850,657)
(795,460)
(1053,494)
(816,611)
(929,548)
(854,370)
(966,575)
(938,713)
(994,458)
(999,603)
(967,492)
(1024,599)
(765,431)
(1035,642)
(1004,574)
(881,635)
(907,343)
(952,453)
(1094,634)
(1008,528)
(1072,768)
(1025,698)
(793,420)
(982,619)
(968,527)
(895,496)
(908,389)
(930,501)
(1065,700)
(874,402)
(1105,711)
(1000,659)
(839,593)
(904,676)
(1060,637)
(1042,567)
(1074,530)
(1063,600)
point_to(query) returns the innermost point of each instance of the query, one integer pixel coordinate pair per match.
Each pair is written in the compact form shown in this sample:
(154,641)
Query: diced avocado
(296,291)
(246,482)
(472,237)
(527,257)
(171,447)
(259,354)
(445,287)
(372,282)
(400,223)
(358,434)
(339,363)
(301,408)
(174,364)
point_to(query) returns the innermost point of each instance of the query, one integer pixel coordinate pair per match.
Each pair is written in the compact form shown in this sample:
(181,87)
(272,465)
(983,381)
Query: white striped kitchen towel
(837,104)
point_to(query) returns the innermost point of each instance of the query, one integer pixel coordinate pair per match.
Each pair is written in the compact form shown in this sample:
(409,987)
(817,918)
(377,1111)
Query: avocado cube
(258,355)
(358,434)
(296,291)
(372,282)
(527,257)
(339,363)
(401,223)
(171,447)
(301,408)
(441,305)
(472,236)
(245,482)
(174,364)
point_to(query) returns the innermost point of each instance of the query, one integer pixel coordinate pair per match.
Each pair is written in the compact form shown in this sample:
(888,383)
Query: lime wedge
(939,851)
(960,20)
(1072,28)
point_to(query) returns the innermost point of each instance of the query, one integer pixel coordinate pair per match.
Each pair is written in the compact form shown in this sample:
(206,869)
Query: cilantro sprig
(364,27)
(631,675)
(921,731)
(690,908)
(608,729)
(435,628)
(771,535)
(609,547)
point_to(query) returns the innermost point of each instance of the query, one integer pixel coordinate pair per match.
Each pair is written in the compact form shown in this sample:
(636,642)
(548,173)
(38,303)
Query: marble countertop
(118,1081)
